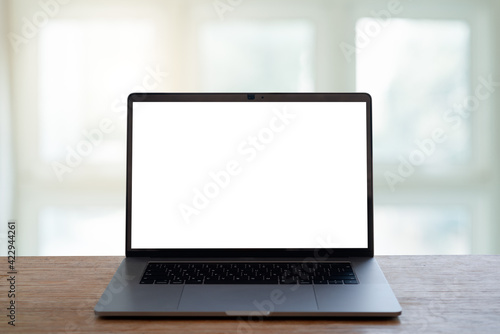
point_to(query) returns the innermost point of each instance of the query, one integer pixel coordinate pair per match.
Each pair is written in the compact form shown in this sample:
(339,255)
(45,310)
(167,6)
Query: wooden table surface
(439,294)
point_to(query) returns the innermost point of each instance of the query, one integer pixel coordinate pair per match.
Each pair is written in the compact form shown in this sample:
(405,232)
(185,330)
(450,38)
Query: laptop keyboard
(248,273)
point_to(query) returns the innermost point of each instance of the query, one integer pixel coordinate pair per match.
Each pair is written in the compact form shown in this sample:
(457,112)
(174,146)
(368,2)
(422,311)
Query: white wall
(7,174)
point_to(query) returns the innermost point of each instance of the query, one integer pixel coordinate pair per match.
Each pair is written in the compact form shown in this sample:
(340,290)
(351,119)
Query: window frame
(477,185)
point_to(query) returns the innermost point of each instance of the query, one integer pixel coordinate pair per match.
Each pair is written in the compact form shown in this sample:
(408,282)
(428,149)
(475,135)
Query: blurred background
(67,66)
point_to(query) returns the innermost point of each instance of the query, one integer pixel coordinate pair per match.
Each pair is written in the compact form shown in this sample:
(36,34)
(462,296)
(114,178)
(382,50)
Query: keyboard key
(162,281)
(194,281)
(342,277)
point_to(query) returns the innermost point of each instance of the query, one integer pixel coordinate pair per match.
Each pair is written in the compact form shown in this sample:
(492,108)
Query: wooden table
(449,294)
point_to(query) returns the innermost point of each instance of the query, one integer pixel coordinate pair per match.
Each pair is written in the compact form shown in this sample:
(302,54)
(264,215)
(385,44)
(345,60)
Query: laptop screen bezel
(245,252)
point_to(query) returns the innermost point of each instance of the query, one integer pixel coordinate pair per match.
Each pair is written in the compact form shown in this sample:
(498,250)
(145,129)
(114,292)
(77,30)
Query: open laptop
(249,205)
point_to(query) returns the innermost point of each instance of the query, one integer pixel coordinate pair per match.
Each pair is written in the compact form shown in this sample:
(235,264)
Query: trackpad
(231,299)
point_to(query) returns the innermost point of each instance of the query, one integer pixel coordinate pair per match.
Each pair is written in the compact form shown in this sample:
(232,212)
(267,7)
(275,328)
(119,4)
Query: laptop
(249,205)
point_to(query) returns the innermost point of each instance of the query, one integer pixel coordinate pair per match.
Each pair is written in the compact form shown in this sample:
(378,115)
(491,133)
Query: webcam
(251,96)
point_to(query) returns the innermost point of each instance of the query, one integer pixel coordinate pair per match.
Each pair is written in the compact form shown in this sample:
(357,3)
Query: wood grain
(439,294)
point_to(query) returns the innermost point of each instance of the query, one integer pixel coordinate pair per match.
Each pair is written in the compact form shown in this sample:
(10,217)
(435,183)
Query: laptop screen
(248,175)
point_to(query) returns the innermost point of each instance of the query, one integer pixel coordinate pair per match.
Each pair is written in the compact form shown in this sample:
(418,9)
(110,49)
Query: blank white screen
(249,175)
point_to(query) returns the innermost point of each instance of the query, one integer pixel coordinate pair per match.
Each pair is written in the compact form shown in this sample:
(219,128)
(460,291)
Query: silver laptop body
(258,182)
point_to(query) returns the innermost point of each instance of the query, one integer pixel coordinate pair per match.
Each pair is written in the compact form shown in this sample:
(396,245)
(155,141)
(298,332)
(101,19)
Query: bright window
(422,62)
(85,230)
(242,56)
(416,71)
(86,68)
(428,229)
